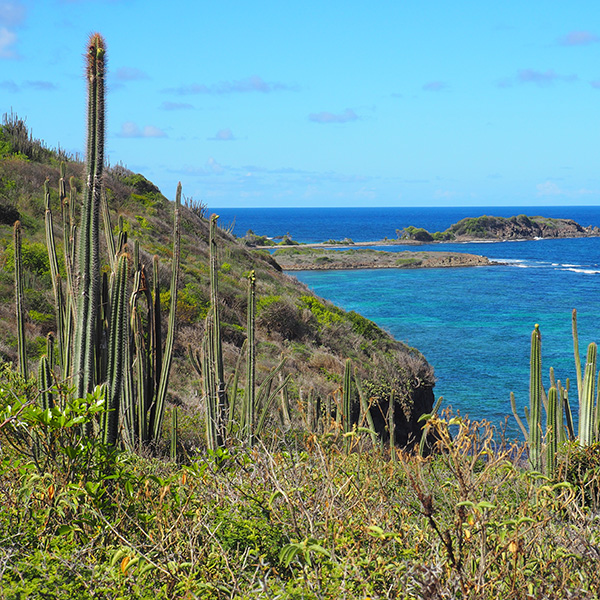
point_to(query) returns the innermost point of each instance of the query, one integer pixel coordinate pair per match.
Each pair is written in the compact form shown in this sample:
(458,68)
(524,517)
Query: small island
(520,227)
(304,258)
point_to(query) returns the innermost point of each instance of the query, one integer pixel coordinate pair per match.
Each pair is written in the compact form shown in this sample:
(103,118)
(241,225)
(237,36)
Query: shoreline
(319,259)
(383,243)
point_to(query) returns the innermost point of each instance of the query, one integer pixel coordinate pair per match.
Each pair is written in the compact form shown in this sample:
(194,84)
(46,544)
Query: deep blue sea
(472,324)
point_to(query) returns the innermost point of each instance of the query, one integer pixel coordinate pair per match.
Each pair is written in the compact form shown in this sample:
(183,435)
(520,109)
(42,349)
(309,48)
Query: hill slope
(313,334)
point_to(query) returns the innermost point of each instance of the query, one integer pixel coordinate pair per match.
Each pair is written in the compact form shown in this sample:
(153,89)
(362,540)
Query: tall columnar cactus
(535,400)
(20,302)
(347,402)
(587,425)
(118,338)
(221,391)
(552,430)
(89,250)
(249,396)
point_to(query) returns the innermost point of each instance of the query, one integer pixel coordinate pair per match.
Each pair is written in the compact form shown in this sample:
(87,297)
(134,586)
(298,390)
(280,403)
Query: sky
(324,102)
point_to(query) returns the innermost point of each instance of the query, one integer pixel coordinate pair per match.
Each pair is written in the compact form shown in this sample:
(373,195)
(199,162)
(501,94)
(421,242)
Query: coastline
(319,259)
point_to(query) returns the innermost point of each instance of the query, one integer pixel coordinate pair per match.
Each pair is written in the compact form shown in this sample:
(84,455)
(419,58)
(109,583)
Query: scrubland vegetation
(331,497)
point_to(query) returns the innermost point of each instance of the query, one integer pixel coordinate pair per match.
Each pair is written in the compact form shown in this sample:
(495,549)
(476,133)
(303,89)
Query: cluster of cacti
(221,415)
(108,334)
(559,421)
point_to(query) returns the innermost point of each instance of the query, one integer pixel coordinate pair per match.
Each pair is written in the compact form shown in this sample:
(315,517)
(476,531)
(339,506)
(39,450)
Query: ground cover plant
(276,482)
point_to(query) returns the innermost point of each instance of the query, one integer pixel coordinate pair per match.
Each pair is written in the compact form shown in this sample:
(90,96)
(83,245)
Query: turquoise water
(474,324)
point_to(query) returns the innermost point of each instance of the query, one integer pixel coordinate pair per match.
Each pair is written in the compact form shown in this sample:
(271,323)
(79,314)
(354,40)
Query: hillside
(314,335)
(520,227)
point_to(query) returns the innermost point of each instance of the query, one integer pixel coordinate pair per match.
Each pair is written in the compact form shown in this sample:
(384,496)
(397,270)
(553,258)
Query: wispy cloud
(435,86)
(550,188)
(166,105)
(12,14)
(223,135)
(211,167)
(130,74)
(130,130)
(540,78)
(578,38)
(327,117)
(242,86)
(40,86)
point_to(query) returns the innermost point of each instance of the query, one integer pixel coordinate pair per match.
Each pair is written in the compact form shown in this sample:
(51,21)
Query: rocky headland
(520,227)
(303,258)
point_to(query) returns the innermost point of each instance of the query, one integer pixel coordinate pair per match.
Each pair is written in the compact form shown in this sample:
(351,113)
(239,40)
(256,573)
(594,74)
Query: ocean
(472,324)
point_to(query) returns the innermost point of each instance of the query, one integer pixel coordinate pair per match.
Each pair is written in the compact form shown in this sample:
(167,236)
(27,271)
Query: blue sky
(324,103)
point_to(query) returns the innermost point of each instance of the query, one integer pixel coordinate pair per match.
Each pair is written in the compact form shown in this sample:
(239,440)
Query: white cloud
(130,130)
(548,188)
(223,135)
(7,40)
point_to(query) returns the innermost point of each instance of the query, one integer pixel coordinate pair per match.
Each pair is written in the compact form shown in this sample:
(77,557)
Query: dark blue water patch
(370,224)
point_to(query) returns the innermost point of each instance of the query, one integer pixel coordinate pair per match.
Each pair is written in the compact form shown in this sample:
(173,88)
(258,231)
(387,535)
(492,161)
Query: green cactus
(118,338)
(20,302)
(552,431)
(250,395)
(347,402)
(89,250)
(535,400)
(587,399)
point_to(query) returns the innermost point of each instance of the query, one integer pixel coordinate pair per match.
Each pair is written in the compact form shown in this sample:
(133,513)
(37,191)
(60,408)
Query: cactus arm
(118,337)
(576,352)
(233,391)
(161,393)
(45,383)
(535,401)
(425,431)
(366,413)
(552,433)
(392,424)
(269,402)
(20,302)
(250,395)
(347,401)
(513,404)
(56,279)
(110,240)
(586,402)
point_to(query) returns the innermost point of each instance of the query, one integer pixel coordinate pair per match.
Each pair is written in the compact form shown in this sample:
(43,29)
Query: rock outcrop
(520,227)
